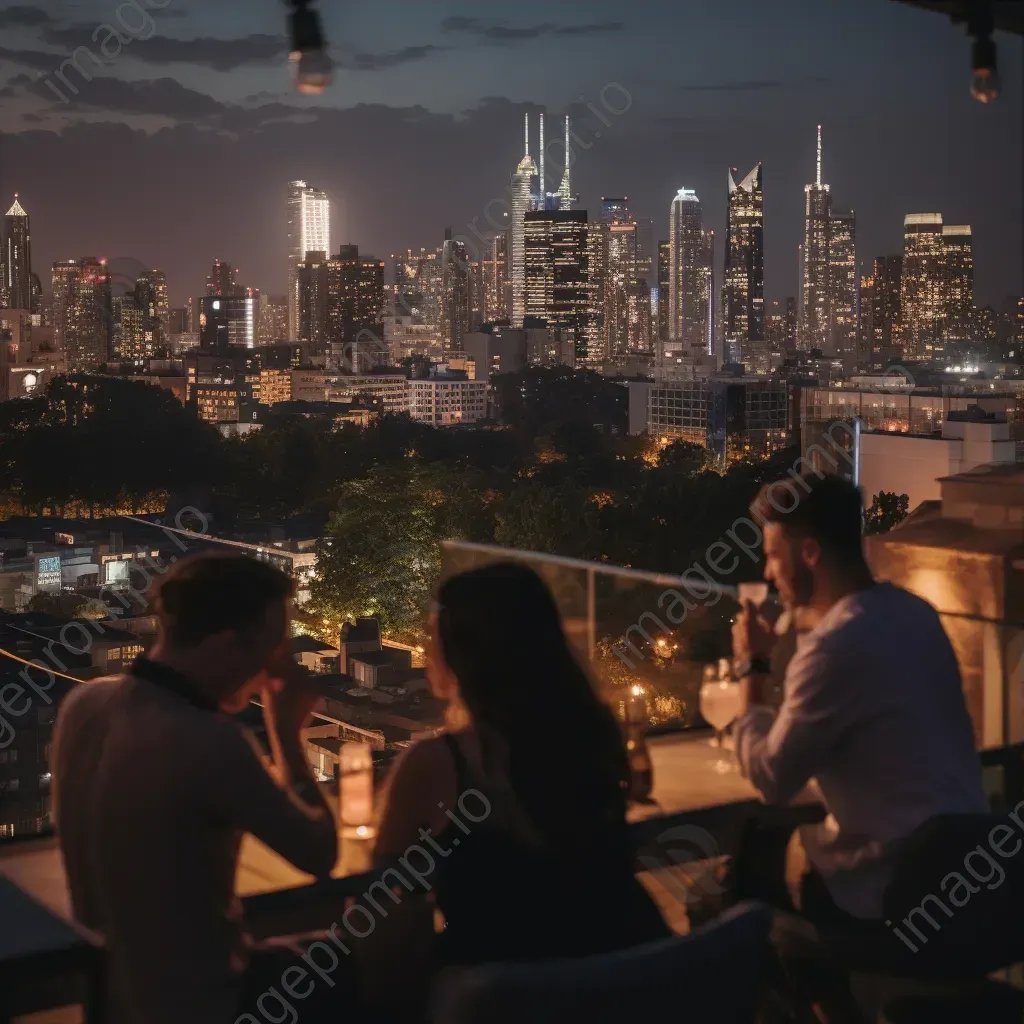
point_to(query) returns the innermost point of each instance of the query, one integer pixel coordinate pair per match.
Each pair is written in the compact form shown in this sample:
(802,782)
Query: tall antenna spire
(526,134)
(818,178)
(565,188)
(542,156)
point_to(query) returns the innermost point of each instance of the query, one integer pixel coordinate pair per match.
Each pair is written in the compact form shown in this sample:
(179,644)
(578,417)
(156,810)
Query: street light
(308,57)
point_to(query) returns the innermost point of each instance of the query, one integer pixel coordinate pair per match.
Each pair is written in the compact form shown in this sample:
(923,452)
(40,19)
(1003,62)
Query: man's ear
(810,552)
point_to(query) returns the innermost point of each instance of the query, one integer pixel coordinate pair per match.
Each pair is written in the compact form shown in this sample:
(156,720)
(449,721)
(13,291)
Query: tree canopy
(887,509)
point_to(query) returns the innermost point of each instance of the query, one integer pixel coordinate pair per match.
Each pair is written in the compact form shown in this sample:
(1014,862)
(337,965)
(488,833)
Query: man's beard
(803,586)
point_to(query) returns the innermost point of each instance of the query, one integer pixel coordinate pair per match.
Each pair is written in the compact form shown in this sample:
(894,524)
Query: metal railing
(630,626)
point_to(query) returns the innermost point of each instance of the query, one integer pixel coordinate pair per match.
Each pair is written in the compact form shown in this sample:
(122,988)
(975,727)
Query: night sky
(179,151)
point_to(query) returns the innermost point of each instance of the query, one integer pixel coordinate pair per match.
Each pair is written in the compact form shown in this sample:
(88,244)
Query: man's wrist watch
(759,665)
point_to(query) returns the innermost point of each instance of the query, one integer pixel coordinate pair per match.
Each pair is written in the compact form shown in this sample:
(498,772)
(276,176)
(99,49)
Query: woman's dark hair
(501,634)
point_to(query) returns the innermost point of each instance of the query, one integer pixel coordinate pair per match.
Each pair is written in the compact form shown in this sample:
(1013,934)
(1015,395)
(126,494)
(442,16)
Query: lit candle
(636,706)
(356,788)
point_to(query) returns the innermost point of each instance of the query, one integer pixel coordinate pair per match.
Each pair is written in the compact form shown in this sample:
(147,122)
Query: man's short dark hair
(210,593)
(823,506)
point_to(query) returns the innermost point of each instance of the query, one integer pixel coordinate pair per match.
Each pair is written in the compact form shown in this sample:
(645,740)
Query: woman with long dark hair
(528,799)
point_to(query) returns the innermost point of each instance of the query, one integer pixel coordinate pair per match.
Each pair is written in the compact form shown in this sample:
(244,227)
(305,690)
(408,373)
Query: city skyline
(440,160)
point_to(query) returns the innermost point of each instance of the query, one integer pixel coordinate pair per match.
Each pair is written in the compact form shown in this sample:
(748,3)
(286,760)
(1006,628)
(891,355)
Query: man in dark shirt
(155,784)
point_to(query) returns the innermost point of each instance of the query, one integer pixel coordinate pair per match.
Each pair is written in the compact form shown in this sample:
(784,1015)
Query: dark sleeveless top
(506,901)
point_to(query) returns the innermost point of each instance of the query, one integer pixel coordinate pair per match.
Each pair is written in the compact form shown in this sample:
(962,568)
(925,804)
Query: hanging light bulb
(984,78)
(310,63)
(980,26)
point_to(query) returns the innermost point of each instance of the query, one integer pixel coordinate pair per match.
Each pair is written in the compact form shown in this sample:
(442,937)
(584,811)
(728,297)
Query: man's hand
(289,695)
(752,636)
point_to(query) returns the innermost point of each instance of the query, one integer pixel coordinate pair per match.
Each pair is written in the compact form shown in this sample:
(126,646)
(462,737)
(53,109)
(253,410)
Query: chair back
(711,976)
(955,895)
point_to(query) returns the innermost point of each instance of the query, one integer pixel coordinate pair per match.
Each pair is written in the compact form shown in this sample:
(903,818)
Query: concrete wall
(906,465)
(912,465)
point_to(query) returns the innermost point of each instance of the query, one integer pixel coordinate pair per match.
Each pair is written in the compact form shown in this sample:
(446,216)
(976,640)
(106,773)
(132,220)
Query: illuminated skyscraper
(557,274)
(958,281)
(596,337)
(83,318)
(620,253)
(455,295)
(62,285)
(523,191)
(921,291)
(843,302)
(664,267)
(814,313)
(743,287)
(273,320)
(356,304)
(638,316)
(223,280)
(16,261)
(134,334)
(309,230)
(152,298)
(615,210)
(312,278)
(477,295)
(495,277)
(227,322)
(880,310)
(691,256)
(565,196)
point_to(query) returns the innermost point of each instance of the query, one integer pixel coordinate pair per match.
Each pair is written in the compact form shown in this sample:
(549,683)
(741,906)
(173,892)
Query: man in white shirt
(873,707)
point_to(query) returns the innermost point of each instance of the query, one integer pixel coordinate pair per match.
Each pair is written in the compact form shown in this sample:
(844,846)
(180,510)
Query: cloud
(21,15)
(37,59)
(754,85)
(499,33)
(231,54)
(162,97)
(219,54)
(383,61)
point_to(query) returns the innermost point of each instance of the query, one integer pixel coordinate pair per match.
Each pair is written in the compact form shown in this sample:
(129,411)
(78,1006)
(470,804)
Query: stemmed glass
(719,704)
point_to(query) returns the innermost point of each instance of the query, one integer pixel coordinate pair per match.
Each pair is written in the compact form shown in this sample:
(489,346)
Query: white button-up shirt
(873,710)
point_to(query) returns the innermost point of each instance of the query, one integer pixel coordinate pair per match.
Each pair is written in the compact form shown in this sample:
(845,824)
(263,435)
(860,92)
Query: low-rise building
(915,464)
(446,399)
(734,417)
(225,403)
(385,388)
